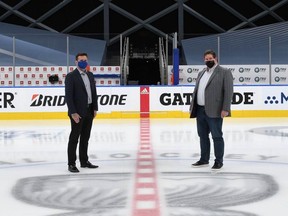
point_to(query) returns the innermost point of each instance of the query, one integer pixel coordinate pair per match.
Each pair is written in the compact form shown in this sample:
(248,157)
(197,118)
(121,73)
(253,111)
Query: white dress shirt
(202,85)
(87,85)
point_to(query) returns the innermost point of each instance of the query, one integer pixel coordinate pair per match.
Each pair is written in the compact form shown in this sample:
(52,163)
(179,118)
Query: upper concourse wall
(21,46)
(259,45)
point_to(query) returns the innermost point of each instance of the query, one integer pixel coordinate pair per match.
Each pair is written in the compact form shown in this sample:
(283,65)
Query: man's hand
(76,117)
(224,113)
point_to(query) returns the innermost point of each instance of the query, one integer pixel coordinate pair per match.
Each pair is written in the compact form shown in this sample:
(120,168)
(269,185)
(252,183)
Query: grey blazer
(218,93)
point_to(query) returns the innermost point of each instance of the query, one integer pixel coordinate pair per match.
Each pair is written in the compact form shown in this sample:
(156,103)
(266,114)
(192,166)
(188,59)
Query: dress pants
(205,125)
(82,130)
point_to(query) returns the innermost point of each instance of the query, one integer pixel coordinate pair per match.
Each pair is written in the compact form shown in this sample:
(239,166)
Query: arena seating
(39,76)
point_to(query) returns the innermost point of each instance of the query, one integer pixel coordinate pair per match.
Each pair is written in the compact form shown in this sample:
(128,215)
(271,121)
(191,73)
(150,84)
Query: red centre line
(146,197)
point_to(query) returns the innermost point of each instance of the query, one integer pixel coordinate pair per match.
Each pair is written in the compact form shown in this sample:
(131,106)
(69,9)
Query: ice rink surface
(145,169)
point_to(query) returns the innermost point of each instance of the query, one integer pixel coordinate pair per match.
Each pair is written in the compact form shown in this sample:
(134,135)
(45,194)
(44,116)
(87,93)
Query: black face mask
(210,64)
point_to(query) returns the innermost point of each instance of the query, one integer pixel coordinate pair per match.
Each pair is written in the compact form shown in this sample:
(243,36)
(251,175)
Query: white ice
(35,180)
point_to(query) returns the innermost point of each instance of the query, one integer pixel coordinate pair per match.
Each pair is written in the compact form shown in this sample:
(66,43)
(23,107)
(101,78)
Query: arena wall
(139,101)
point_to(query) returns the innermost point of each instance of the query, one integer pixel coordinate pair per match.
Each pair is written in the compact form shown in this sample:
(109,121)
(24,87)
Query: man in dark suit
(211,102)
(81,99)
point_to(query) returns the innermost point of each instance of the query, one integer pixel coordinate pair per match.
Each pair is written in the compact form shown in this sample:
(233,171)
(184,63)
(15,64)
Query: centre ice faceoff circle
(183,191)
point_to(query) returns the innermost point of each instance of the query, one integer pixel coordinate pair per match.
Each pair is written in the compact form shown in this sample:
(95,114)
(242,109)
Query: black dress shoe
(89,165)
(73,168)
(200,164)
(217,166)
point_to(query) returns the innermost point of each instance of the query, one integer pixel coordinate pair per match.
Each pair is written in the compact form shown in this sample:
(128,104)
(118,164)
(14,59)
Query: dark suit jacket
(218,93)
(75,93)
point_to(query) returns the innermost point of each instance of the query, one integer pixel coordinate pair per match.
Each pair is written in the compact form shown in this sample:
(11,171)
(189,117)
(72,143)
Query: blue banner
(175,66)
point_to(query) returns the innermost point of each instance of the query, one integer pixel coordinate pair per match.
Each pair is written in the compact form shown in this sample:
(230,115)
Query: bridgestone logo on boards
(112,99)
(59,100)
(41,100)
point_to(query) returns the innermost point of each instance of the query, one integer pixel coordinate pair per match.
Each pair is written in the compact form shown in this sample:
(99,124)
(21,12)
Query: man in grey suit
(211,102)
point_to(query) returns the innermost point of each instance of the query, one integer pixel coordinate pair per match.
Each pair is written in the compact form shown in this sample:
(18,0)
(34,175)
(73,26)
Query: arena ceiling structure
(142,21)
